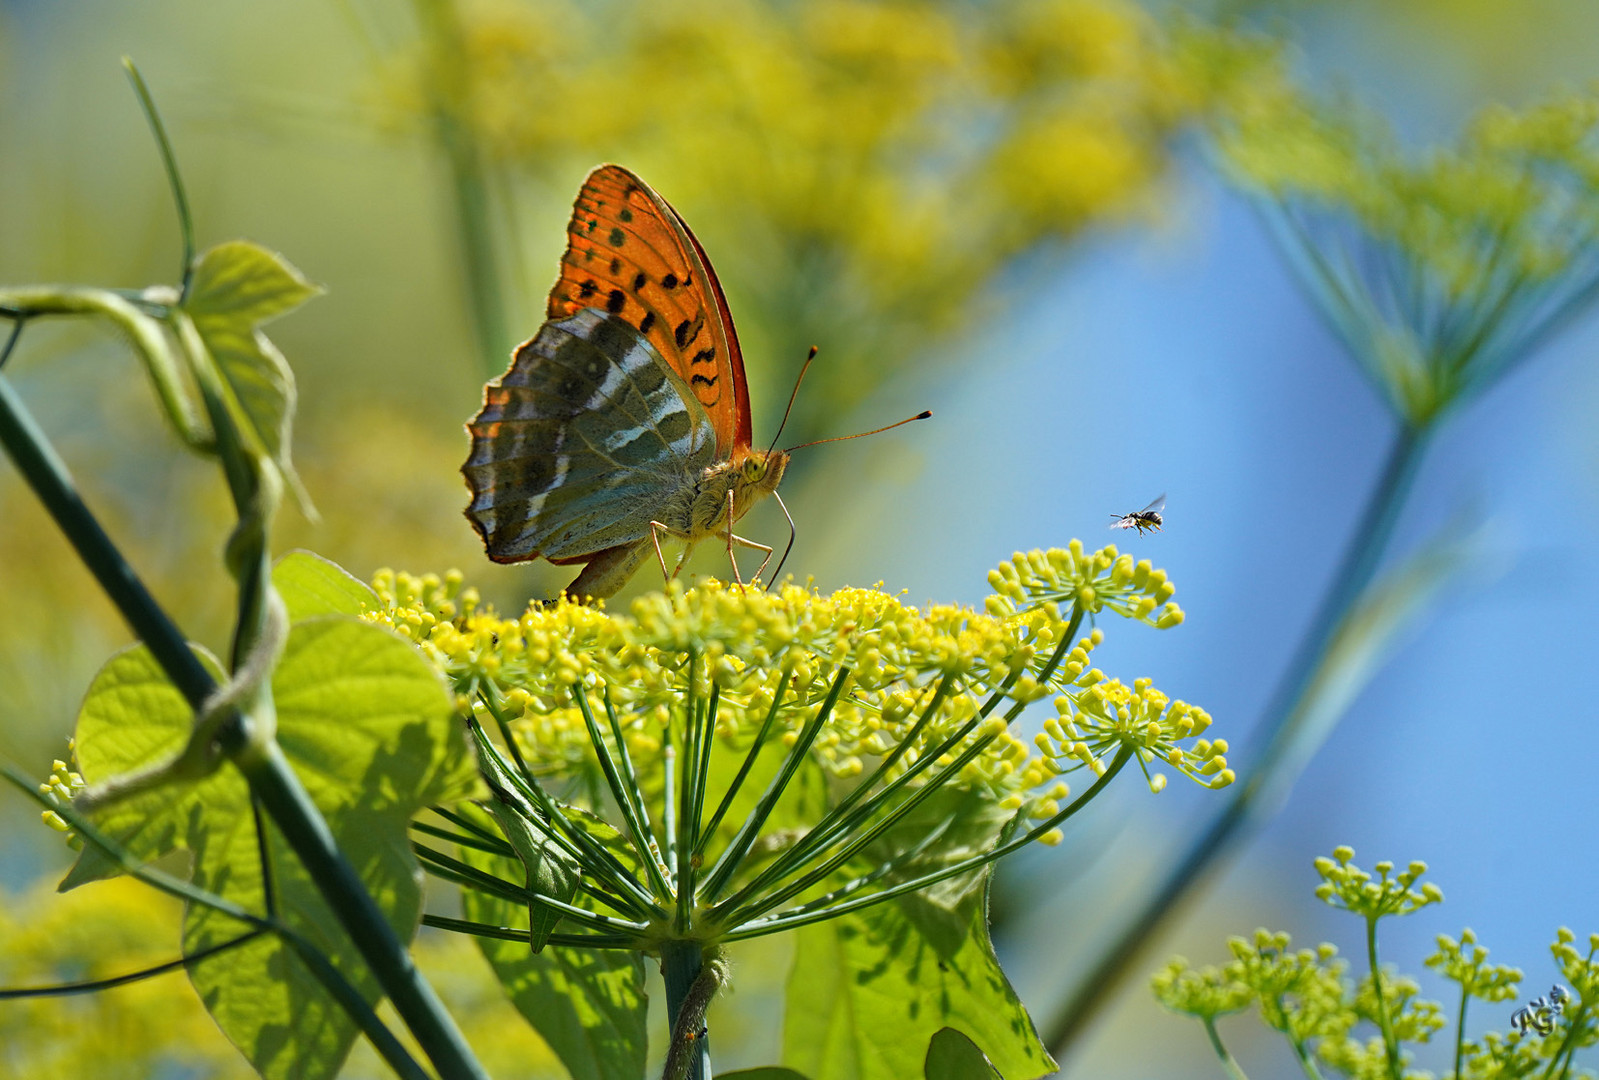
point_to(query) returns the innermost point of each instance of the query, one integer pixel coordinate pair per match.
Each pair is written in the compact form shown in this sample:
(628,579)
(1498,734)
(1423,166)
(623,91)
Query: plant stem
(449,97)
(1289,744)
(52,484)
(285,800)
(169,161)
(1234,1070)
(680,966)
(1460,1028)
(95,985)
(806,915)
(1384,1021)
(267,771)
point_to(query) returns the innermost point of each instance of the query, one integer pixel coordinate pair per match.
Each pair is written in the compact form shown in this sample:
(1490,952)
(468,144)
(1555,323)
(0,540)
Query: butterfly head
(756,475)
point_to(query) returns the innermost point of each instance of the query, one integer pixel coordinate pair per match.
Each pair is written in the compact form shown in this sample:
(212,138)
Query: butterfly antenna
(794,394)
(791,534)
(923,415)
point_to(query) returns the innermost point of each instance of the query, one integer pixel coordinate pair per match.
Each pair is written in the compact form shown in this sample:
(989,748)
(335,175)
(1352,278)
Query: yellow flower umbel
(755,748)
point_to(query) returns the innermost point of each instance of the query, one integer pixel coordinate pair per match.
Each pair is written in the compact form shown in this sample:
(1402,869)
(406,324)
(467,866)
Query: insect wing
(630,254)
(581,441)
(1157,506)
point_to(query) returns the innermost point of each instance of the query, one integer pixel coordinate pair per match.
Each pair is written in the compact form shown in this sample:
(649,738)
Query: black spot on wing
(616,266)
(625,214)
(669,281)
(587,289)
(646,322)
(616,301)
(638,281)
(617,237)
(705,356)
(680,335)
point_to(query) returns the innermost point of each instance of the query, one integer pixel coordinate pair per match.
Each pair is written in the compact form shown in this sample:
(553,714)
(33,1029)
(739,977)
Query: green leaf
(764,1072)
(132,717)
(964,825)
(367,725)
(311,585)
(237,286)
(952,1056)
(549,871)
(590,1005)
(242,281)
(869,990)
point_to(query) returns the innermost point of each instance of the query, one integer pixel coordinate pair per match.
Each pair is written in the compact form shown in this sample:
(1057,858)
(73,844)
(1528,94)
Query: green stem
(449,93)
(285,800)
(805,916)
(174,179)
(837,819)
(1234,1070)
(324,972)
(143,333)
(519,934)
(722,873)
(1289,743)
(626,798)
(1460,1029)
(847,818)
(52,484)
(1384,1021)
(575,841)
(630,776)
(95,985)
(366,1018)
(734,912)
(687,772)
(472,877)
(475,839)
(1307,1064)
(749,762)
(680,966)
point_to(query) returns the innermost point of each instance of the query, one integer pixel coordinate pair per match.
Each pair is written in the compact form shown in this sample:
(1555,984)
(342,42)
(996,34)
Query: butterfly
(1147,518)
(626,418)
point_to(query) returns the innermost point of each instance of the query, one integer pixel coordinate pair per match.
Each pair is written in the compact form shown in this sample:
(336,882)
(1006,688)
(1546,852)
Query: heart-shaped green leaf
(311,585)
(367,725)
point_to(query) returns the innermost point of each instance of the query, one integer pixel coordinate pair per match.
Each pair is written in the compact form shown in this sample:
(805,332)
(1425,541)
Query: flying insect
(1146,519)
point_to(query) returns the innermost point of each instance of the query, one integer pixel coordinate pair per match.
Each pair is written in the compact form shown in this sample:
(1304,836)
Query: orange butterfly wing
(630,254)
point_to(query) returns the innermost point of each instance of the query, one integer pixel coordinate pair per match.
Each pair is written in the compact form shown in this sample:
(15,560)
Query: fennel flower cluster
(913,676)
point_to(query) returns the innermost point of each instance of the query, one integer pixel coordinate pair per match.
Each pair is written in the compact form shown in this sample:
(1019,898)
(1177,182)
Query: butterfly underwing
(625,421)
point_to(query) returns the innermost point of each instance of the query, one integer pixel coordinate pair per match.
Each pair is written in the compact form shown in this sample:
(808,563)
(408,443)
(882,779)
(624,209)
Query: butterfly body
(625,421)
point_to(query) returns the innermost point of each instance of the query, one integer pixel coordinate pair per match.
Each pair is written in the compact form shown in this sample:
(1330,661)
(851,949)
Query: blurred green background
(998,211)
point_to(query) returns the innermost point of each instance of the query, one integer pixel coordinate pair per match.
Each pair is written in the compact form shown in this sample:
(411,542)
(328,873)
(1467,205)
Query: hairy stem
(689,1056)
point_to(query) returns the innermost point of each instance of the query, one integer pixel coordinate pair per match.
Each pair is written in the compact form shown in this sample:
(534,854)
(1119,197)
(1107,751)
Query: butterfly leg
(734,538)
(657,530)
(732,561)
